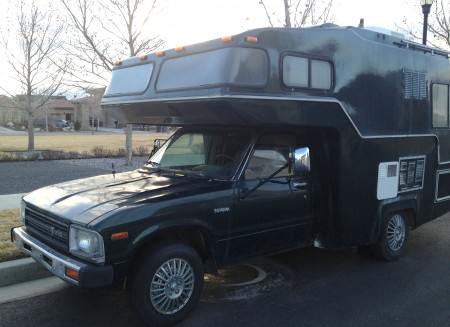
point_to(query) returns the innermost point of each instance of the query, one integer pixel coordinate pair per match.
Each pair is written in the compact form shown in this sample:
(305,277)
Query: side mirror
(302,162)
(156,146)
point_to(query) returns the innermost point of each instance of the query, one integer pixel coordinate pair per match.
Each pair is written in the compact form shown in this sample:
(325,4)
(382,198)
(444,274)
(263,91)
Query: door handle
(298,185)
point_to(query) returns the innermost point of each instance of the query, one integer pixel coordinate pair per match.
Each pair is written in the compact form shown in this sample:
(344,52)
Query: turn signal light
(117,63)
(227,39)
(69,272)
(119,236)
(143,57)
(160,54)
(179,49)
(251,39)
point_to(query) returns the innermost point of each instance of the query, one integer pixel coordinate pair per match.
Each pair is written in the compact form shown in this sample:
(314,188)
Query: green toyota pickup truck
(330,136)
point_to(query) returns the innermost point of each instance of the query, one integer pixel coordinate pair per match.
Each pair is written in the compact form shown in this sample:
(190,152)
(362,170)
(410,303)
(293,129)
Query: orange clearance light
(179,49)
(119,236)
(227,38)
(143,57)
(69,272)
(251,39)
(117,63)
(160,54)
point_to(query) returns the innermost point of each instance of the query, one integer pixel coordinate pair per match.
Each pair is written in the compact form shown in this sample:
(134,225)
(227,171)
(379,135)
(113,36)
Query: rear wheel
(394,239)
(166,283)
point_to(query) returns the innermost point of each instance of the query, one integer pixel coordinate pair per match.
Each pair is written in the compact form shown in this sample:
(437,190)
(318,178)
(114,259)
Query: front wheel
(394,239)
(166,283)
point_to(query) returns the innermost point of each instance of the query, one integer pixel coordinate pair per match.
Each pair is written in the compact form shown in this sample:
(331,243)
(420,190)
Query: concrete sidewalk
(23,278)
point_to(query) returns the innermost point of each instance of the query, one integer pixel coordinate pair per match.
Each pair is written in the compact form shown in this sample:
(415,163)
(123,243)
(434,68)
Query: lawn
(77,142)
(8,219)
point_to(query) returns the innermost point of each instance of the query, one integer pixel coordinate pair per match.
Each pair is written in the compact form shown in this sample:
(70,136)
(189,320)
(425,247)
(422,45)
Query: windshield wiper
(153,163)
(264,181)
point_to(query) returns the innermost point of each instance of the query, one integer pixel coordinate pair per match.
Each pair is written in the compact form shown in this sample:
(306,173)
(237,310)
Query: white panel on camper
(387,180)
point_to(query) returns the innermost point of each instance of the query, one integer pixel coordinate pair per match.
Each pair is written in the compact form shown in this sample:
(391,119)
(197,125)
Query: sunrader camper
(328,136)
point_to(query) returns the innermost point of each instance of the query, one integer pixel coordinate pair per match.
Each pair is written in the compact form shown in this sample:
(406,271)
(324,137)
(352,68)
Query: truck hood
(86,199)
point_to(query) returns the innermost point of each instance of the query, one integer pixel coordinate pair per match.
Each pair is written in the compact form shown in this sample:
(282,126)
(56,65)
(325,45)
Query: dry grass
(8,219)
(77,142)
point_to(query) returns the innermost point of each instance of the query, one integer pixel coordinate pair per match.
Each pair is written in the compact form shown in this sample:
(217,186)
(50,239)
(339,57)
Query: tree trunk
(30,133)
(287,16)
(129,147)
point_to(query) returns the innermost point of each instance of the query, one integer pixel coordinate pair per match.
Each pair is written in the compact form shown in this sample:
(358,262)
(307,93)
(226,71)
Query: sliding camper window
(129,80)
(228,66)
(304,72)
(440,98)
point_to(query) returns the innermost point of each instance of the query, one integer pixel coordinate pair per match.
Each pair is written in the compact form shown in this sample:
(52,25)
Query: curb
(21,270)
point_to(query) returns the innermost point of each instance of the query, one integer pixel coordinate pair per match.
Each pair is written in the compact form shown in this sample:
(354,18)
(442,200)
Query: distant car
(61,123)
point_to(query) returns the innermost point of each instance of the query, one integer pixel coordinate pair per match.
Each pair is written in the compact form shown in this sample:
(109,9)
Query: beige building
(57,108)
(10,111)
(88,112)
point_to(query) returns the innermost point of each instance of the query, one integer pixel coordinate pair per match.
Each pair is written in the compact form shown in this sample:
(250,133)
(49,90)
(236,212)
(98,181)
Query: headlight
(22,211)
(86,244)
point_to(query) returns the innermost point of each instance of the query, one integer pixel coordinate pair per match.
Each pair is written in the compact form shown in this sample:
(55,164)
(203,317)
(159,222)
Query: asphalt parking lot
(307,287)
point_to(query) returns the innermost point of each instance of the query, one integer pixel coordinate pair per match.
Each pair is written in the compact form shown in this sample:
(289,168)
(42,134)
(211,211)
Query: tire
(165,283)
(394,239)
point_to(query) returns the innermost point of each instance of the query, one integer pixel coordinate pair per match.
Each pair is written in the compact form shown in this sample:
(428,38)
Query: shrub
(71,155)
(84,155)
(32,156)
(110,153)
(8,157)
(142,151)
(77,125)
(121,152)
(98,152)
(53,155)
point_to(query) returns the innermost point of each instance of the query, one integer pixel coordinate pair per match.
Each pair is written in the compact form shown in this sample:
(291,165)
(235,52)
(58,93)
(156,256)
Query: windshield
(210,153)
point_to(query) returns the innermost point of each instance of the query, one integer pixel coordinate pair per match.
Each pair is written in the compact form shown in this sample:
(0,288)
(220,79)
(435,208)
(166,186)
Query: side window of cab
(271,153)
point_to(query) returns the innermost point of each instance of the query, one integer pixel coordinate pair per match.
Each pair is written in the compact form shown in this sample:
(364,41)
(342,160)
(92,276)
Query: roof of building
(59,104)
(86,99)
(7,102)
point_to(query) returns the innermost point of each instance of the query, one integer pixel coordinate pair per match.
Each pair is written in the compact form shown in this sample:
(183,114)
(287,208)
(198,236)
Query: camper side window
(440,96)
(301,72)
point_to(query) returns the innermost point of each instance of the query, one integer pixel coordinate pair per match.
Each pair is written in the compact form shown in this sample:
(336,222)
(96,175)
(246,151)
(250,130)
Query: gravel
(106,163)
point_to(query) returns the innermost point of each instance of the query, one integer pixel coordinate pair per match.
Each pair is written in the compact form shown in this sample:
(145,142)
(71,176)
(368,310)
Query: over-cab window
(228,66)
(302,72)
(440,98)
(129,80)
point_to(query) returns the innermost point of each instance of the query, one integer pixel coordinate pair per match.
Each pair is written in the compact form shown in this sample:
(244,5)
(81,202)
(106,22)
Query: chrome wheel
(172,286)
(396,233)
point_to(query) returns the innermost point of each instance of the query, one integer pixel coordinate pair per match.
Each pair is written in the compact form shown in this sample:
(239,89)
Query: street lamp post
(426,5)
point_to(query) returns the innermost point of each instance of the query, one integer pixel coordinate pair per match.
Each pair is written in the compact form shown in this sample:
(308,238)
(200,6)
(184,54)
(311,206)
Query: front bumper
(82,274)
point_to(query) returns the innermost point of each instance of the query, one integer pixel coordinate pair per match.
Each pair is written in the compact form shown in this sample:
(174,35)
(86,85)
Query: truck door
(278,214)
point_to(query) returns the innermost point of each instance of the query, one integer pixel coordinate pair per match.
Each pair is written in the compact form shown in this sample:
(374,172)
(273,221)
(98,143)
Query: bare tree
(105,31)
(299,13)
(438,25)
(33,55)
(108,30)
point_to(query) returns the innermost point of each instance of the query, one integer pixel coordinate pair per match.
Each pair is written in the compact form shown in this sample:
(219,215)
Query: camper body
(333,137)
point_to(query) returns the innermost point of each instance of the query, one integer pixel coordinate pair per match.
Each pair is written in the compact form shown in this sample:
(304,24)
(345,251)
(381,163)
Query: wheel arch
(196,237)
(408,205)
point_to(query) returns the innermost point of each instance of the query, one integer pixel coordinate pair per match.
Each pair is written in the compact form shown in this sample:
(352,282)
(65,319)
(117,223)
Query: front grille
(47,229)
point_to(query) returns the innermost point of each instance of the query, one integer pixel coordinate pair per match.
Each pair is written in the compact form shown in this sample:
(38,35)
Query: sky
(183,22)
(186,22)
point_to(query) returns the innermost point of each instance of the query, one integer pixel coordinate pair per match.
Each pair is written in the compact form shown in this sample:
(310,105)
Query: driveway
(7,131)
